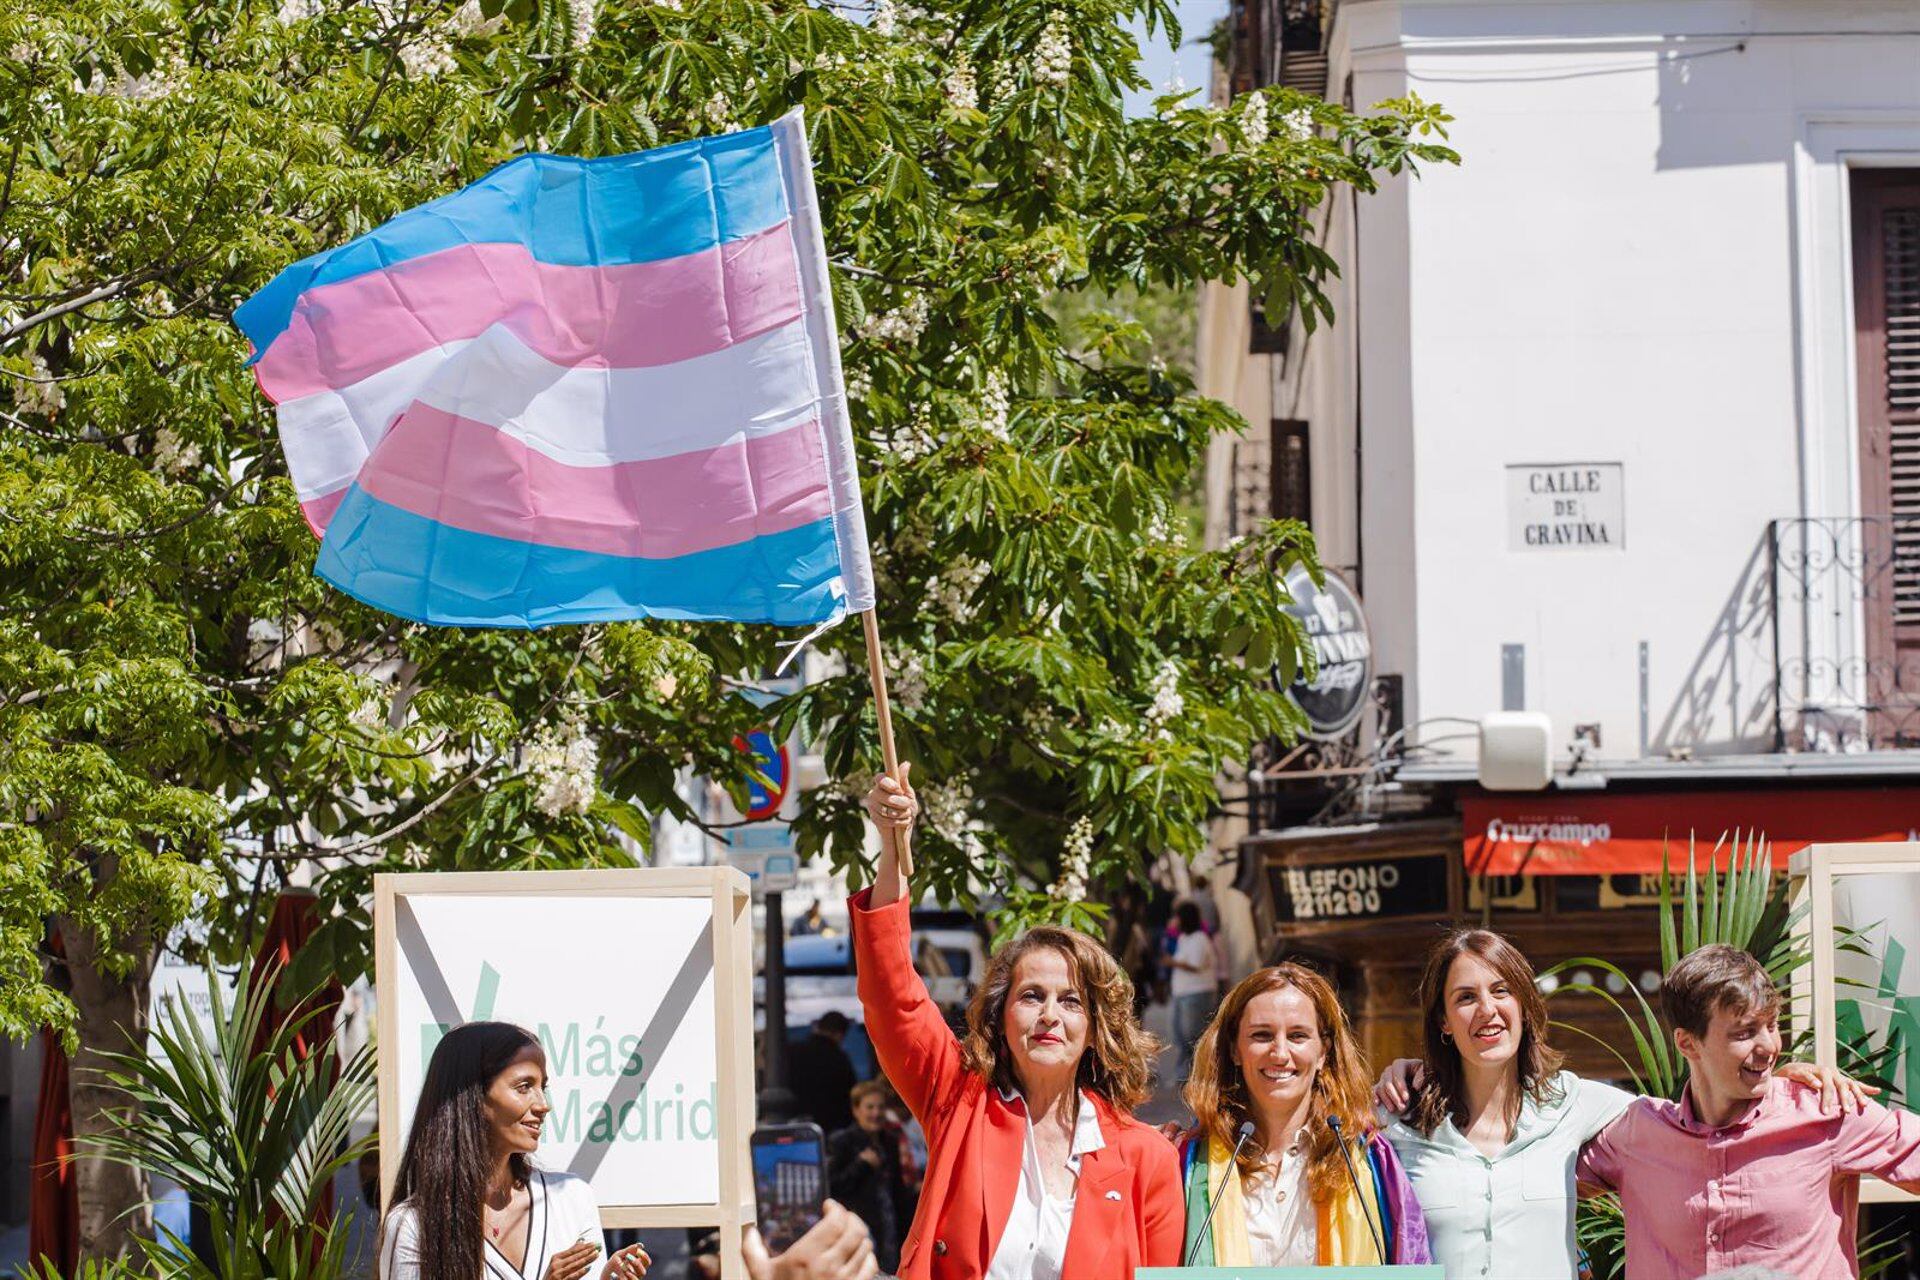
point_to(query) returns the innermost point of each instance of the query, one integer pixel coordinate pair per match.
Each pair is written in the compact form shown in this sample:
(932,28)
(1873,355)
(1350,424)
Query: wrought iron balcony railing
(1845,597)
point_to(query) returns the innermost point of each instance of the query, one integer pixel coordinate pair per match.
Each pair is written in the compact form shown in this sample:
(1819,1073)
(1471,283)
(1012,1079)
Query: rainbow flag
(578,390)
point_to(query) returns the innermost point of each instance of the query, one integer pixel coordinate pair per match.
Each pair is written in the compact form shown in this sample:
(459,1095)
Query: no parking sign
(774,761)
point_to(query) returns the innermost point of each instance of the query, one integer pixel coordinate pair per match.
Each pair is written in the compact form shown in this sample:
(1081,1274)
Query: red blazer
(976,1140)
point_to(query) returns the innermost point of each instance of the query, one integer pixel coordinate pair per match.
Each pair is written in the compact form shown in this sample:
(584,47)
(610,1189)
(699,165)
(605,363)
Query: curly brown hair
(1442,1094)
(1216,1092)
(1117,1064)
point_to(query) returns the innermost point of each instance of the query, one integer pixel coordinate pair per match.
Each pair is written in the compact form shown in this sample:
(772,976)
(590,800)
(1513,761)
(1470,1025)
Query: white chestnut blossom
(1167,700)
(39,393)
(960,89)
(1298,123)
(885,18)
(995,404)
(1076,858)
(428,57)
(469,21)
(173,455)
(582,17)
(1000,84)
(951,594)
(1253,121)
(903,324)
(719,111)
(1053,54)
(948,806)
(914,441)
(907,679)
(859,384)
(155,86)
(563,765)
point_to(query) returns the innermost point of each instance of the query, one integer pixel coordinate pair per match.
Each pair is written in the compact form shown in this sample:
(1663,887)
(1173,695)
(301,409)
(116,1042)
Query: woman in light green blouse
(1490,1126)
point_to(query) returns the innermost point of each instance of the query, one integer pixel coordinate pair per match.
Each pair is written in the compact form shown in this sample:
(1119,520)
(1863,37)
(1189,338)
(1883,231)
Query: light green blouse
(1508,1216)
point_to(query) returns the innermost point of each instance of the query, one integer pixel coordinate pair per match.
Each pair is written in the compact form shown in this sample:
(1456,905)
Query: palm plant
(1744,906)
(253,1135)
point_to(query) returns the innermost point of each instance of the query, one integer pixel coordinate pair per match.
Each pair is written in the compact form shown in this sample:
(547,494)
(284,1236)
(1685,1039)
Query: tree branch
(111,289)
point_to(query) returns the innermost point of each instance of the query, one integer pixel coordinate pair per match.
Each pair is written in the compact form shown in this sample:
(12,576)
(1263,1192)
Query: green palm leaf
(253,1137)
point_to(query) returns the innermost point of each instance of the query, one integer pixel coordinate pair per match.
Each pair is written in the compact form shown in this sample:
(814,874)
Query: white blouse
(1281,1230)
(562,1214)
(1034,1244)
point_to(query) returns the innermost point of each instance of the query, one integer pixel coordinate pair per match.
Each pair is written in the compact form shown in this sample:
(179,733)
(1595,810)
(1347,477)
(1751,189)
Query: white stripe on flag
(583,416)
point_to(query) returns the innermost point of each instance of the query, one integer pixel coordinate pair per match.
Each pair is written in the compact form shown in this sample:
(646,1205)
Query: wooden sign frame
(1816,988)
(732,939)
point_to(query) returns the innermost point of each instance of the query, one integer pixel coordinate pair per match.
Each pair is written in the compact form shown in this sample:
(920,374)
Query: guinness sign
(1337,629)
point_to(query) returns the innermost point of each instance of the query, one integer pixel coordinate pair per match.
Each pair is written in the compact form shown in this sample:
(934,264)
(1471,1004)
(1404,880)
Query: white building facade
(1585,386)
(1618,422)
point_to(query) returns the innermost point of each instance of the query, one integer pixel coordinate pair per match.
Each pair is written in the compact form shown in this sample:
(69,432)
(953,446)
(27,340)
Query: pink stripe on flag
(625,316)
(470,476)
(320,510)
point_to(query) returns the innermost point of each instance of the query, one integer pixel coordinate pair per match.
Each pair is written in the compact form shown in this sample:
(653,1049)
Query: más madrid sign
(1337,628)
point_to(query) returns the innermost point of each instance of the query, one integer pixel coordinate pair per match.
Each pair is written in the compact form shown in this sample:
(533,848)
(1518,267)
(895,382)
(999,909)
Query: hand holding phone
(789,1181)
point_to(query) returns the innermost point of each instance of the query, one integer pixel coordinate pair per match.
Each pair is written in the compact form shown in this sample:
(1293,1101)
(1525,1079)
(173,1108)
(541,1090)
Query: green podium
(1422,1271)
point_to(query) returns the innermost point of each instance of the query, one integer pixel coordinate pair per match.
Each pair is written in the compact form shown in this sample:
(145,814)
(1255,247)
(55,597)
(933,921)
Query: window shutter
(1899,393)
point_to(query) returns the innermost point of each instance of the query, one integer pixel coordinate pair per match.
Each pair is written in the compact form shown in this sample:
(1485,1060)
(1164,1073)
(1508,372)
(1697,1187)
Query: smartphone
(789,1182)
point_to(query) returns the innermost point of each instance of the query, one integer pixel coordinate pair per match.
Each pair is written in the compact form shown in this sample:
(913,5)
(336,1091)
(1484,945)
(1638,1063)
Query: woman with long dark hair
(1313,1183)
(468,1202)
(1493,1126)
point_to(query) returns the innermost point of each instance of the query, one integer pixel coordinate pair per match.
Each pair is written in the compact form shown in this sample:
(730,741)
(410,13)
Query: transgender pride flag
(578,390)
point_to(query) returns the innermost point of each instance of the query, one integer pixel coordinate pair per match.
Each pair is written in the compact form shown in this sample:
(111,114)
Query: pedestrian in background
(864,1172)
(1195,984)
(822,1074)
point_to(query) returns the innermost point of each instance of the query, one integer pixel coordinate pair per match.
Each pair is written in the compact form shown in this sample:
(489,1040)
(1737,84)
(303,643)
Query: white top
(1280,1215)
(1034,1244)
(563,1212)
(1194,948)
(1509,1215)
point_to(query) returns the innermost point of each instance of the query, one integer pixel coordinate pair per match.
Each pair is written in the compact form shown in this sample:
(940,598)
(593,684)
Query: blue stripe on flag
(430,572)
(642,207)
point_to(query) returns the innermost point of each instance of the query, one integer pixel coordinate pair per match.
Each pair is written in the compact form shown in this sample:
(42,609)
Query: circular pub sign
(1334,623)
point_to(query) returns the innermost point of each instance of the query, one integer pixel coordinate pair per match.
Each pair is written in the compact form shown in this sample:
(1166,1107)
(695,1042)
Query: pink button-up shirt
(1780,1186)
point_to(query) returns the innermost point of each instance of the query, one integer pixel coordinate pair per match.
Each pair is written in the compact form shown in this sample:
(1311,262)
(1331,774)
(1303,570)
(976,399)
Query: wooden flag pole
(877,672)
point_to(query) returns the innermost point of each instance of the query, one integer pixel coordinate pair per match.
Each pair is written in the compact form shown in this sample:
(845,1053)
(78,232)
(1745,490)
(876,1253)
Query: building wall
(1641,260)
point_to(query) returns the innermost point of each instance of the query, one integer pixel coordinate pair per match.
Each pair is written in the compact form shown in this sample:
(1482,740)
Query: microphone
(1346,1158)
(1233,1171)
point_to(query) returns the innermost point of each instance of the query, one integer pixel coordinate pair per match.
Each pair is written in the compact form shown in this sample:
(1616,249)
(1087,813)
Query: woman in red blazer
(1036,1168)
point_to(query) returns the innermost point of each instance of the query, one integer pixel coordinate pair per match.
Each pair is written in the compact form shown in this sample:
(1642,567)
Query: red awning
(1600,833)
